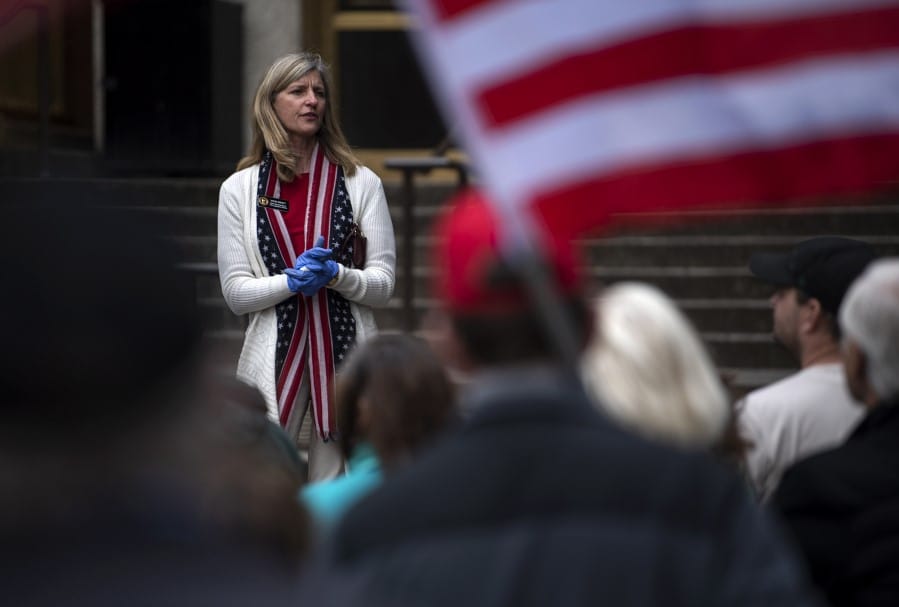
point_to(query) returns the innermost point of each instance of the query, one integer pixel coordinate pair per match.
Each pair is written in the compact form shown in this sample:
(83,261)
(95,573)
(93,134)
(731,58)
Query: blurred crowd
(480,468)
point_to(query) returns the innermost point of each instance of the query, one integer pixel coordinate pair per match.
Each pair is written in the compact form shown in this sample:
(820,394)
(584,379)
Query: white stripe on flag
(284,233)
(812,88)
(320,202)
(322,376)
(505,38)
(689,116)
(294,368)
(317,313)
(285,236)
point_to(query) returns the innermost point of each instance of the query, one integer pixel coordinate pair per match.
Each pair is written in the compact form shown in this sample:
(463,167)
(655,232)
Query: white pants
(324,458)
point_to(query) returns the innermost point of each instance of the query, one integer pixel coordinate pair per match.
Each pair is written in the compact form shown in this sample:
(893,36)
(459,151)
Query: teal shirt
(328,500)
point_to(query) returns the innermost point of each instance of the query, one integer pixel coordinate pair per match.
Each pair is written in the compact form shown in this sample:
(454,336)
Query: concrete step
(224,348)
(689,282)
(192,220)
(426,195)
(701,264)
(393,317)
(652,258)
(207,281)
(678,282)
(754,350)
(218,317)
(422,217)
(194,228)
(747,361)
(749,348)
(723,315)
(709,315)
(198,248)
(700,249)
(67,163)
(731,340)
(135,193)
(664,258)
(879,216)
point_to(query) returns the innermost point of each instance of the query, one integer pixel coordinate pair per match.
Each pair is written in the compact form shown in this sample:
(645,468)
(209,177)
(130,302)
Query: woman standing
(286,225)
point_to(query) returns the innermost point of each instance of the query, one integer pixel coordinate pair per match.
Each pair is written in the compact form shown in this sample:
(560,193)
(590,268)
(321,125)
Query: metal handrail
(410,167)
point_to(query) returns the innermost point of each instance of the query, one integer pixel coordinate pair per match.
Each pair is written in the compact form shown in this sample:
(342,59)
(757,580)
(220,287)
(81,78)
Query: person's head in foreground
(536,498)
(394,394)
(118,479)
(869,319)
(492,320)
(647,368)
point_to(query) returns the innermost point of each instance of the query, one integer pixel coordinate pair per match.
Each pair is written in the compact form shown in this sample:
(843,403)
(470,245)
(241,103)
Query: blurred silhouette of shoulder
(117,487)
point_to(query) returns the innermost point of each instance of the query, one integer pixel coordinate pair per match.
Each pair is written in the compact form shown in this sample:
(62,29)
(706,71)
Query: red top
(296,194)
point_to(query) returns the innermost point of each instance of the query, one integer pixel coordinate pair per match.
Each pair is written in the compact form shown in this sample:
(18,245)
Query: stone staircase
(698,258)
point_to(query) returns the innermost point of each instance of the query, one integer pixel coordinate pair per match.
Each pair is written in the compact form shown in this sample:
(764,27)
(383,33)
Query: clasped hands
(313,270)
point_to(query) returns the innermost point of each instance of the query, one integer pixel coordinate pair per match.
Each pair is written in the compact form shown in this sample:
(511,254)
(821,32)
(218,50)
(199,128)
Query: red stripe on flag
(840,166)
(693,50)
(296,349)
(447,10)
(315,178)
(272,179)
(320,304)
(281,239)
(328,363)
(327,201)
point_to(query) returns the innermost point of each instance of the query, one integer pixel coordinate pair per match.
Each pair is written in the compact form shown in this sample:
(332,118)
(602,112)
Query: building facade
(164,87)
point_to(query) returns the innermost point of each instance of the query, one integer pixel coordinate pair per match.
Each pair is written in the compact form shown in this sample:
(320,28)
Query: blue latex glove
(313,270)
(313,259)
(309,282)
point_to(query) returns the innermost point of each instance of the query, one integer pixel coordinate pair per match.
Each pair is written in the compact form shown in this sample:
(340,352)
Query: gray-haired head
(869,317)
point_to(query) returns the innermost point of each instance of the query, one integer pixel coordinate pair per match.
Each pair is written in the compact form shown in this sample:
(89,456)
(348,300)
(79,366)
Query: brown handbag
(358,241)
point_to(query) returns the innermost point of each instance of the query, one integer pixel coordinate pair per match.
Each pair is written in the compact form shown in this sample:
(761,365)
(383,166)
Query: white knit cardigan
(248,288)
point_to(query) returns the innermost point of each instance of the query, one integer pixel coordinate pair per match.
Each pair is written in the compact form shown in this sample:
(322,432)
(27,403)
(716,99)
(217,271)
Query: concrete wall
(271,28)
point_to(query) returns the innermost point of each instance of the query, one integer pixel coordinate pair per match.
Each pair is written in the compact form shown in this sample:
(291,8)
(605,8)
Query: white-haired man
(842,506)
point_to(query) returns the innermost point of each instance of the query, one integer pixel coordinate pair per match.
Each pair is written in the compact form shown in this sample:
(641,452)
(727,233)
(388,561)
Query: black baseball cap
(821,267)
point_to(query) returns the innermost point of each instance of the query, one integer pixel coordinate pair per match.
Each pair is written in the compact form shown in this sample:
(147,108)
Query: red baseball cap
(471,276)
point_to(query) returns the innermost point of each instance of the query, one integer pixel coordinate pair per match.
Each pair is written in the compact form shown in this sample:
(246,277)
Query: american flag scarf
(317,332)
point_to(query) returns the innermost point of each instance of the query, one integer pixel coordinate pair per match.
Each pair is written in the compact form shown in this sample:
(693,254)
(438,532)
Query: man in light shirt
(810,410)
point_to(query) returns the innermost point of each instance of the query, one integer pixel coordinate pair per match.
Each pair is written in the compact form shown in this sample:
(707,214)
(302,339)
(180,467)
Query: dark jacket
(538,500)
(842,508)
(144,549)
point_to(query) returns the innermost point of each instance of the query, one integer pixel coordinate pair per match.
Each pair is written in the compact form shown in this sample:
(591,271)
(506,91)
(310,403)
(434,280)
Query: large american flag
(582,108)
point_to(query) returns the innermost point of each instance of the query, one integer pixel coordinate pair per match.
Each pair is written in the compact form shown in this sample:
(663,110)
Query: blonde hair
(268,132)
(649,370)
